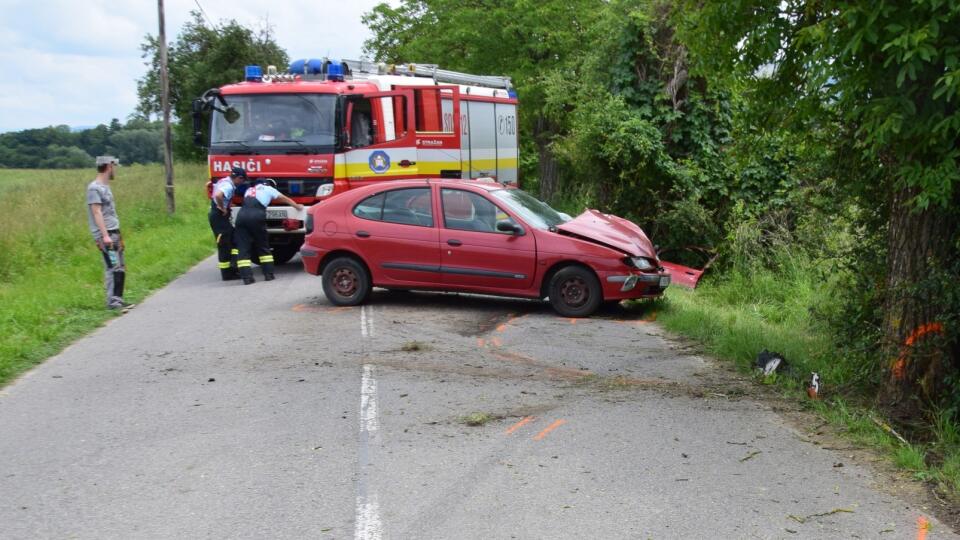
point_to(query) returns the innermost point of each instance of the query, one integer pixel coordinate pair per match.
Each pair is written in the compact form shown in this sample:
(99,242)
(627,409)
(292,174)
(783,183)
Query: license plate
(664,281)
(276,214)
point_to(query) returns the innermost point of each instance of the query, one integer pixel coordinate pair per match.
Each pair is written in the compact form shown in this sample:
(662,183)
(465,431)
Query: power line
(204,13)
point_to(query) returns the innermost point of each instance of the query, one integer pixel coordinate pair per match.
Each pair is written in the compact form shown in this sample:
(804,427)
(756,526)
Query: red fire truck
(327,126)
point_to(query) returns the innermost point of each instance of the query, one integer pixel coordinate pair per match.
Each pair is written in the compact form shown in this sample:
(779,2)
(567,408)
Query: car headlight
(642,263)
(324,190)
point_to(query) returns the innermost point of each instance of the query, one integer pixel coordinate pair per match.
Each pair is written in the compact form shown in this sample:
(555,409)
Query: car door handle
(363,234)
(454,242)
(406,163)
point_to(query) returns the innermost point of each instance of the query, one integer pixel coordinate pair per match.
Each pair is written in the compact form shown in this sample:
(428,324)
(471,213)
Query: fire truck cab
(325,127)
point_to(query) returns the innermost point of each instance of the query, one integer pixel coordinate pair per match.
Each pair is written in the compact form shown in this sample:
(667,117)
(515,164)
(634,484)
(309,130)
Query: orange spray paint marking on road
(496,342)
(304,308)
(502,328)
(481,343)
(923,525)
(573,321)
(550,428)
(524,421)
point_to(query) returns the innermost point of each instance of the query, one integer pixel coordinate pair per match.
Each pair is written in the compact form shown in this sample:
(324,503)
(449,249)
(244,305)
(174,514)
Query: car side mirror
(505,225)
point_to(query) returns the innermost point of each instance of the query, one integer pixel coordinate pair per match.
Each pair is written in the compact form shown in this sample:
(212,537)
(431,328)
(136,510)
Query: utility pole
(165,103)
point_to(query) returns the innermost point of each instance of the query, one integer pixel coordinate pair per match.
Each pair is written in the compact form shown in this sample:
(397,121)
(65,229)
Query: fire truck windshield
(276,123)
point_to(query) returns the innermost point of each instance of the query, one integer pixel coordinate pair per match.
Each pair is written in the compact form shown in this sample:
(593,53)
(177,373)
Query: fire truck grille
(300,187)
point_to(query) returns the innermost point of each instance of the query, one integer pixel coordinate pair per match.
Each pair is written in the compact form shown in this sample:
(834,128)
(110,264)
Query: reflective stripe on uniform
(224,265)
(244,263)
(266,258)
(234,251)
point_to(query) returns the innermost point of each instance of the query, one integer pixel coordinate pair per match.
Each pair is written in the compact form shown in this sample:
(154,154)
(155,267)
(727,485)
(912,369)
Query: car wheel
(345,282)
(575,292)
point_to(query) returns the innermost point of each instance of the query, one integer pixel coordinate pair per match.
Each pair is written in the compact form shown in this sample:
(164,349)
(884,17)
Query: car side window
(466,211)
(370,208)
(410,206)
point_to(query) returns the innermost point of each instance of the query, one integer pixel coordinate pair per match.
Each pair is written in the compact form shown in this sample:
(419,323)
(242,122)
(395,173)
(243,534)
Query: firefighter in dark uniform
(220,199)
(250,234)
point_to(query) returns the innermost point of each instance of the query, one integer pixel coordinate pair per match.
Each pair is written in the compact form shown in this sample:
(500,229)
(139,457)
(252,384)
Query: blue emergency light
(253,74)
(335,72)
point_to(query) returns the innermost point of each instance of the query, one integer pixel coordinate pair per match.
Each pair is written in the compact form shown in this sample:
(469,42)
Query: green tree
(640,133)
(887,74)
(94,141)
(137,145)
(201,58)
(522,39)
(65,157)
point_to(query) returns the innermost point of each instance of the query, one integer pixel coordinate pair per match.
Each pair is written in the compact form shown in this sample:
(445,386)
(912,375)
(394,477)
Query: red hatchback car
(476,236)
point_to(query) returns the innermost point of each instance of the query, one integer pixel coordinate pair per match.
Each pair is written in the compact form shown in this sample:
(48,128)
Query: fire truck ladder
(428,70)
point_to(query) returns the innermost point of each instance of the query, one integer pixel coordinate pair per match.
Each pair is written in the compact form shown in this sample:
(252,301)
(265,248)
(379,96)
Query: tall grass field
(51,274)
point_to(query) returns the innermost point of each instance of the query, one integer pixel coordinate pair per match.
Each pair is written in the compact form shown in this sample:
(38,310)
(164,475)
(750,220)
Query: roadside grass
(51,274)
(737,316)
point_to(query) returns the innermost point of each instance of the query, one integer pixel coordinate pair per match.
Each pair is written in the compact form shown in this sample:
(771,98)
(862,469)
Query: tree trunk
(919,243)
(549,169)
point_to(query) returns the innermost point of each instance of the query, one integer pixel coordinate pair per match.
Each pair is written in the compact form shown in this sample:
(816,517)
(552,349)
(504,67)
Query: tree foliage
(524,39)
(886,76)
(889,71)
(57,147)
(201,58)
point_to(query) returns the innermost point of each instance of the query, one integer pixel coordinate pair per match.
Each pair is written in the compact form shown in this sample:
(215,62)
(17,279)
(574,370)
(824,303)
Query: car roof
(489,185)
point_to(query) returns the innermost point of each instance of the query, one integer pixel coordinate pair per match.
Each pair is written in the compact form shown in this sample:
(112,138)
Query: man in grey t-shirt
(105,228)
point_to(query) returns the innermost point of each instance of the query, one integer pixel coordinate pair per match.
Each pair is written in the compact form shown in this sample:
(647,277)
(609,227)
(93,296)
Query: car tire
(346,282)
(575,292)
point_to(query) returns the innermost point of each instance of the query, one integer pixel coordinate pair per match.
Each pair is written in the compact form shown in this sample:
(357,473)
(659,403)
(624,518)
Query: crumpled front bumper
(621,286)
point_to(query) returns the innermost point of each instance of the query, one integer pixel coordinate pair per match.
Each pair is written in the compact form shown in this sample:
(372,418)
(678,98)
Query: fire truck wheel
(575,292)
(346,282)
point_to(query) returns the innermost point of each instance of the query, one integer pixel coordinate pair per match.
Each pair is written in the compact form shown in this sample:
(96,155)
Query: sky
(76,62)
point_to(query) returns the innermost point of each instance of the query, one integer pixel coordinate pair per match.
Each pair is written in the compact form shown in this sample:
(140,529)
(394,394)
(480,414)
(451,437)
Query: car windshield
(535,212)
(277,121)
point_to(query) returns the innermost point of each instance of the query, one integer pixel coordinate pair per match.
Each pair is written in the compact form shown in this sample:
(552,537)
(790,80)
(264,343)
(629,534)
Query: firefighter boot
(246,272)
(234,255)
(266,264)
(227,272)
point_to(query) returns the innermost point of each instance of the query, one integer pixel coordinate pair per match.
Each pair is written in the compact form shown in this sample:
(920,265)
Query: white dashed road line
(369,422)
(367,525)
(366,321)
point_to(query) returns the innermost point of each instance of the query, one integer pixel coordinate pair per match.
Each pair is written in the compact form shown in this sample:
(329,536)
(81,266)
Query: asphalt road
(215,410)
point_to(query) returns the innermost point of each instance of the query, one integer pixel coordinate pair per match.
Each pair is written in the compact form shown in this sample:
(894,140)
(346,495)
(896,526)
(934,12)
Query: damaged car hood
(611,231)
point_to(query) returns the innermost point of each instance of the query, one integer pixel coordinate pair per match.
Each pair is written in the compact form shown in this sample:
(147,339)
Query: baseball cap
(238,171)
(107,160)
